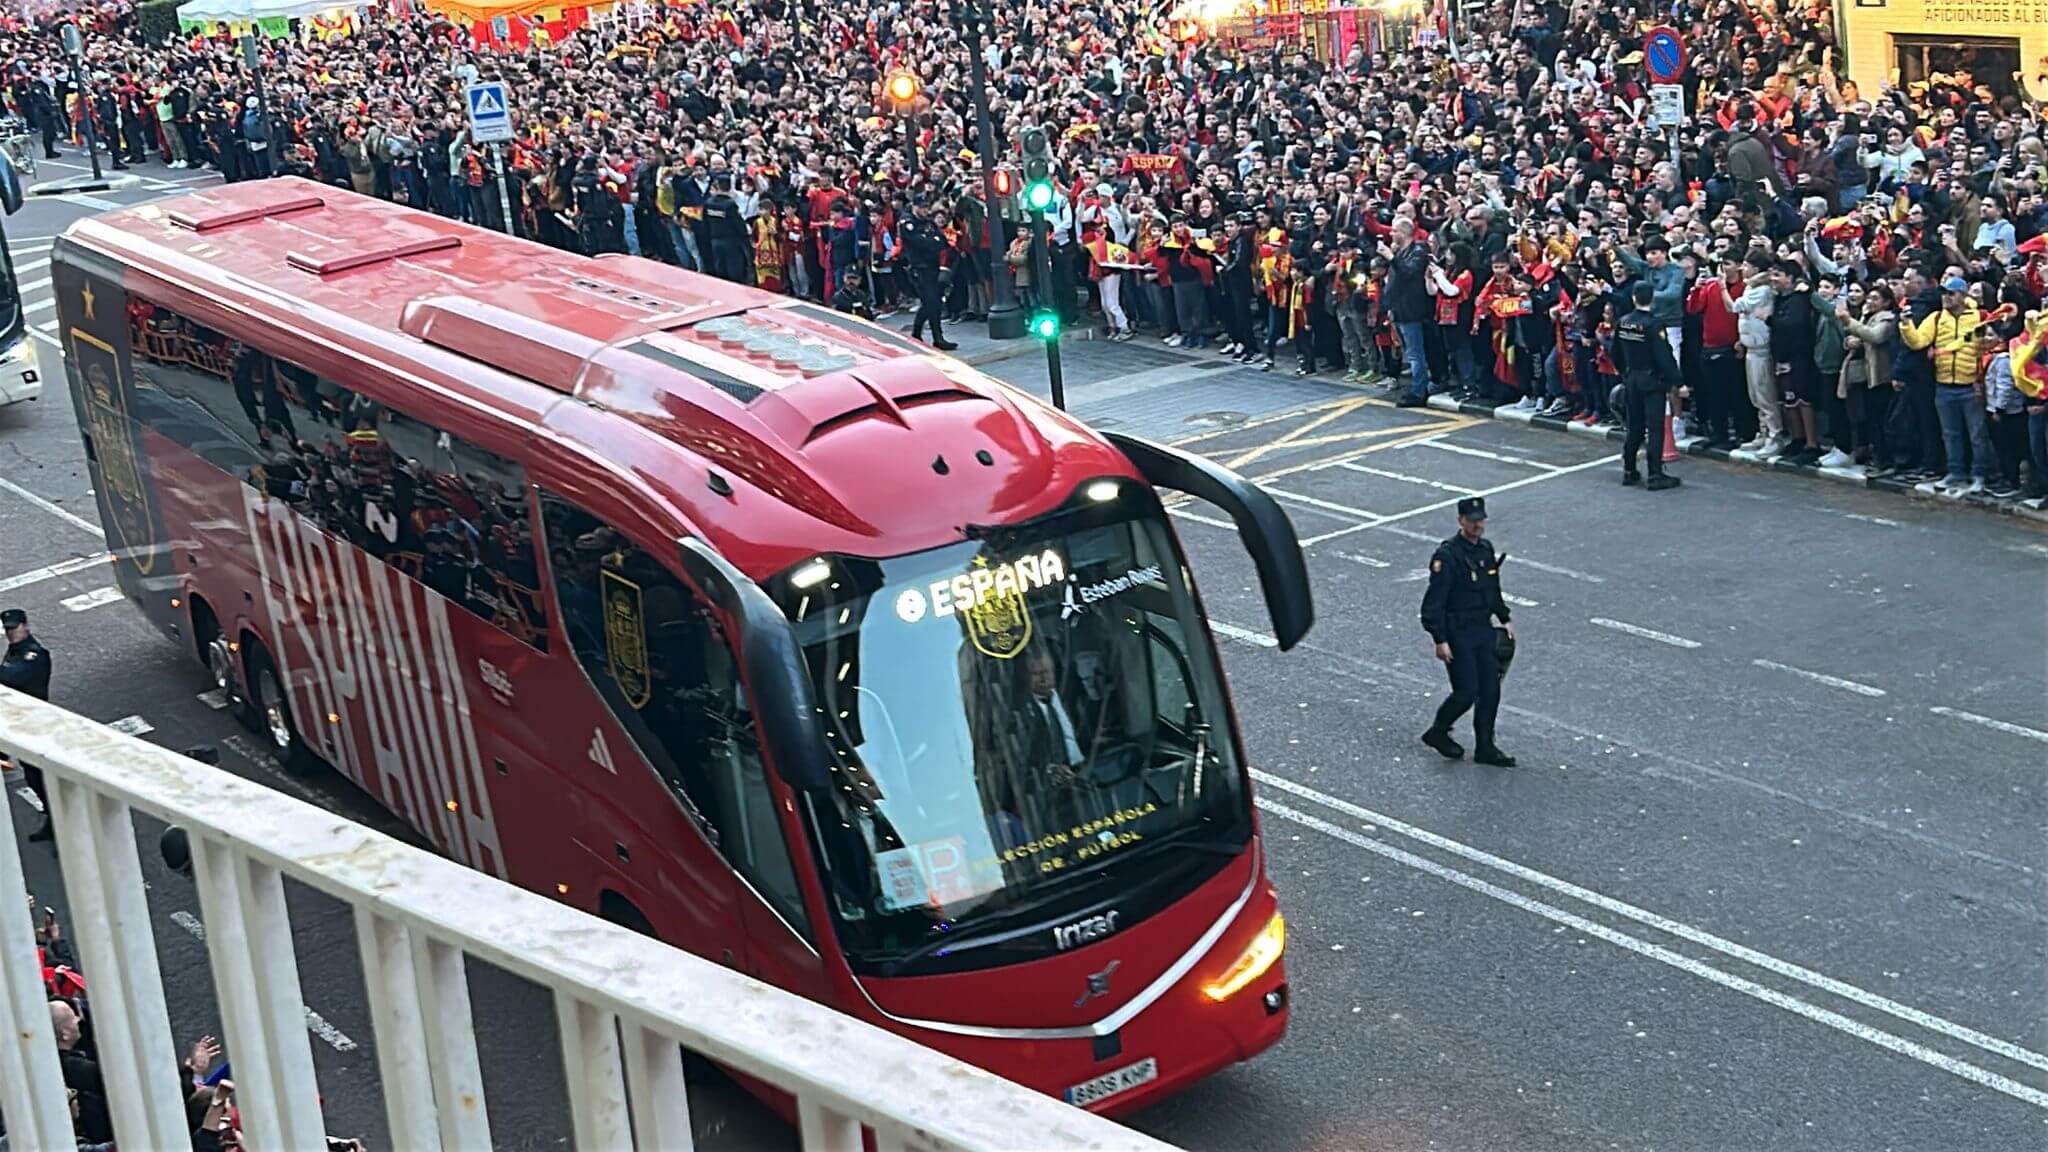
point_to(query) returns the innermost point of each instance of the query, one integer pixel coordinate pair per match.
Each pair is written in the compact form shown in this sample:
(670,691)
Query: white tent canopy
(250,11)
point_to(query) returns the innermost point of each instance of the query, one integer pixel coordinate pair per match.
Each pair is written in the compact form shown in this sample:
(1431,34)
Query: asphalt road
(1769,874)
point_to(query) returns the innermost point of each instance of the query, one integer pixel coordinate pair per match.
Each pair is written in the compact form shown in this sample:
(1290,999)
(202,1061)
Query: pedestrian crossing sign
(490,117)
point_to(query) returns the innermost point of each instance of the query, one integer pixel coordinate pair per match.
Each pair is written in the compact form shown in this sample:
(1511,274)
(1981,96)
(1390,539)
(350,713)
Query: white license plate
(1110,1084)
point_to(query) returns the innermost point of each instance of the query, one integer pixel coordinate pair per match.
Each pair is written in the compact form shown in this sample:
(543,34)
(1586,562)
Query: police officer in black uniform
(726,243)
(1458,612)
(26,668)
(924,247)
(1648,370)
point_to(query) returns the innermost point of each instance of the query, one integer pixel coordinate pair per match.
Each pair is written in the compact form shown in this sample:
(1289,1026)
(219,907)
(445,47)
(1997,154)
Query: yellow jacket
(2030,357)
(1951,343)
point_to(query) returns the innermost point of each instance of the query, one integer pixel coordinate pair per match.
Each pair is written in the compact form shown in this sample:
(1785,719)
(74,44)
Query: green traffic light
(1038,195)
(1045,325)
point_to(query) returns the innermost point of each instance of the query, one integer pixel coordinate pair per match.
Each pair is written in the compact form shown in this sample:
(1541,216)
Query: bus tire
(218,657)
(273,710)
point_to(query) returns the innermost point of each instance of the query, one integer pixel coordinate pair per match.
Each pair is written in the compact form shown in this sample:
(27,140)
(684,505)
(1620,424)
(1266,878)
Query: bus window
(658,658)
(441,510)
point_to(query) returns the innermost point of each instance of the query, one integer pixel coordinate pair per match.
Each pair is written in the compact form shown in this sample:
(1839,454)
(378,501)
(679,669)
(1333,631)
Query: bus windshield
(1022,727)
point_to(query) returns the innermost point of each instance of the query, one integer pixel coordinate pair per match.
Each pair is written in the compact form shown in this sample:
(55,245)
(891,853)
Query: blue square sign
(490,114)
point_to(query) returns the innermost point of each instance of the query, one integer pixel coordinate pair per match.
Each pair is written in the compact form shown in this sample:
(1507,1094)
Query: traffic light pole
(1041,274)
(1005,317)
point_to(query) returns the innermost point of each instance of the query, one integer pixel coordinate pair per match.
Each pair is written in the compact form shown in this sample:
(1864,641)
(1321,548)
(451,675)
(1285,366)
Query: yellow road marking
(1250,455)
(1259,422)
(1415,435)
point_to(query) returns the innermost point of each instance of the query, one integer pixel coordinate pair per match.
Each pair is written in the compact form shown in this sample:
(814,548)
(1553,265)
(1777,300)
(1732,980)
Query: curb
(2034,510)
(69,185)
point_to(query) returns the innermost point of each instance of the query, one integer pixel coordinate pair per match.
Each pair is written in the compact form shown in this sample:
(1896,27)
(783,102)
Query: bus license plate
(1110,1084)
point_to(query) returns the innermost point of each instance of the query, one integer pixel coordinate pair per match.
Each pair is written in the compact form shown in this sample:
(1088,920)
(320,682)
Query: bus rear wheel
(272,707)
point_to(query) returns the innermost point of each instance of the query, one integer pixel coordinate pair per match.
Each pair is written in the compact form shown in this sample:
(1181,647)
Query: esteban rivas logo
(1077,595)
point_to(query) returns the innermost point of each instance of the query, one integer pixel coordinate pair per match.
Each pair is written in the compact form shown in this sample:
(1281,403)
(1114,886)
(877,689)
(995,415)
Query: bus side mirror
(1261,523)
(778,685)
(10,188)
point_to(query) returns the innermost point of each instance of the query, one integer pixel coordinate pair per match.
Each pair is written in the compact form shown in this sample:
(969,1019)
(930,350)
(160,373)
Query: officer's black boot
(1662,482)
(1493,757)
(1441,740)
(1630,478)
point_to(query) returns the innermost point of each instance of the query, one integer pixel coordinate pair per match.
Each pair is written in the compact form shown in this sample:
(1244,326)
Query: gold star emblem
(85,294)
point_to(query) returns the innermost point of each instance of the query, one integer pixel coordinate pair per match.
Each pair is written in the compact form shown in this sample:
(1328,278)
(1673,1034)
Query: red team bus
(721,615)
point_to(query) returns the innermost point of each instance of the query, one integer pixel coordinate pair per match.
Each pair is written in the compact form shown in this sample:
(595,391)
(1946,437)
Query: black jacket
(26,668)
(1407,296)
(1643,354)
(1464,589)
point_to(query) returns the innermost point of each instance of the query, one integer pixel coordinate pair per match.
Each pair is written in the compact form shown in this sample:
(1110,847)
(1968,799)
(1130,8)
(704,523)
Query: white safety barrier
(627,1005)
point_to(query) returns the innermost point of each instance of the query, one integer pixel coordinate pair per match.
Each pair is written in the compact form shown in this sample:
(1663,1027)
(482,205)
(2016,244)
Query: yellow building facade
(1904,41)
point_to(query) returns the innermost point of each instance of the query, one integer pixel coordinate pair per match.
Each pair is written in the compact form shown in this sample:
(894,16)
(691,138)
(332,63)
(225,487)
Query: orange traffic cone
(1670,442)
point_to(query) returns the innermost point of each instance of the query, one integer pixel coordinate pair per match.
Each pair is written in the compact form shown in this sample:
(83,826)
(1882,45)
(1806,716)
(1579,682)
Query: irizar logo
(1086,931)
(1078,594)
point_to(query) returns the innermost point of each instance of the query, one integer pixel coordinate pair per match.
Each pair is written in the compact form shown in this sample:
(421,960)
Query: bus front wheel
(272,707)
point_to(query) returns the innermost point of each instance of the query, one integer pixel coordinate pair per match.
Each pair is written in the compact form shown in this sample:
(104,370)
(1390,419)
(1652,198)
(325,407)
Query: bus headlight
(20,352)
(1259,955)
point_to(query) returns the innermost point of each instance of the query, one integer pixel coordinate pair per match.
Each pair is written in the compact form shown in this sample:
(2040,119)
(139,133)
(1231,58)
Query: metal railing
(627,1005)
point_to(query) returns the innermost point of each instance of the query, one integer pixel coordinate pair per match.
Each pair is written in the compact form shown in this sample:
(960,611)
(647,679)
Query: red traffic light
(1006,182)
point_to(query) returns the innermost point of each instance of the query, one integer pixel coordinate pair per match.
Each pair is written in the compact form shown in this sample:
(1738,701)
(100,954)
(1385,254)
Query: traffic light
(1006,183)
(1038,190)
(1045,324)
(902,87)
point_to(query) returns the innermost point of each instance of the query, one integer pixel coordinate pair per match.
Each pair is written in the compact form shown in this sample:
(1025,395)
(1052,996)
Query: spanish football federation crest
(106,410)
(625,638)
(999,624)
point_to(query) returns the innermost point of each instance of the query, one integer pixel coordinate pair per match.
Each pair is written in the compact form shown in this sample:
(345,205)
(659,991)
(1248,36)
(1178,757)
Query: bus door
(673,755)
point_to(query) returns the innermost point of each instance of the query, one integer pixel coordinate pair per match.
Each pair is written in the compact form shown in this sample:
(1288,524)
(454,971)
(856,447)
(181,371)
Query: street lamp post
(74,47)
(1005,319)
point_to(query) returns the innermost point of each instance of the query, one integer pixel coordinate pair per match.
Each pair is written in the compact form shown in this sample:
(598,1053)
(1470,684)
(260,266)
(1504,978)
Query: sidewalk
(977,349)
(1855,475)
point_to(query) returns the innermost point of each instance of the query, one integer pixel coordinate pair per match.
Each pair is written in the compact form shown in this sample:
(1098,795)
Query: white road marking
(1403,477)
(32,285)
(86,200)
(1988,722)
(92,599)
(1820,678)
(1368,561)
(1518,601)
(40,306)
(1483,454)
(1603,462)
(1243,635)
(46,338)
(1645,633)
(1683,963)
(50,571)
(1198,518)
(71,518)
(315,1023)
(29,796)
(1874,520)
(1325,505)
(132,726)
(1666,925)
(1555,570)
(214,698)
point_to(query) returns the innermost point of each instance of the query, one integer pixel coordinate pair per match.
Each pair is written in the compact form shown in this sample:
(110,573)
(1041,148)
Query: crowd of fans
(1850,277)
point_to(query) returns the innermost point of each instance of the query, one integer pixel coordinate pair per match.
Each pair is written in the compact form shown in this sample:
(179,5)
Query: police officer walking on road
(924,248)
(26,668)
(1648,370)
(1458,611)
